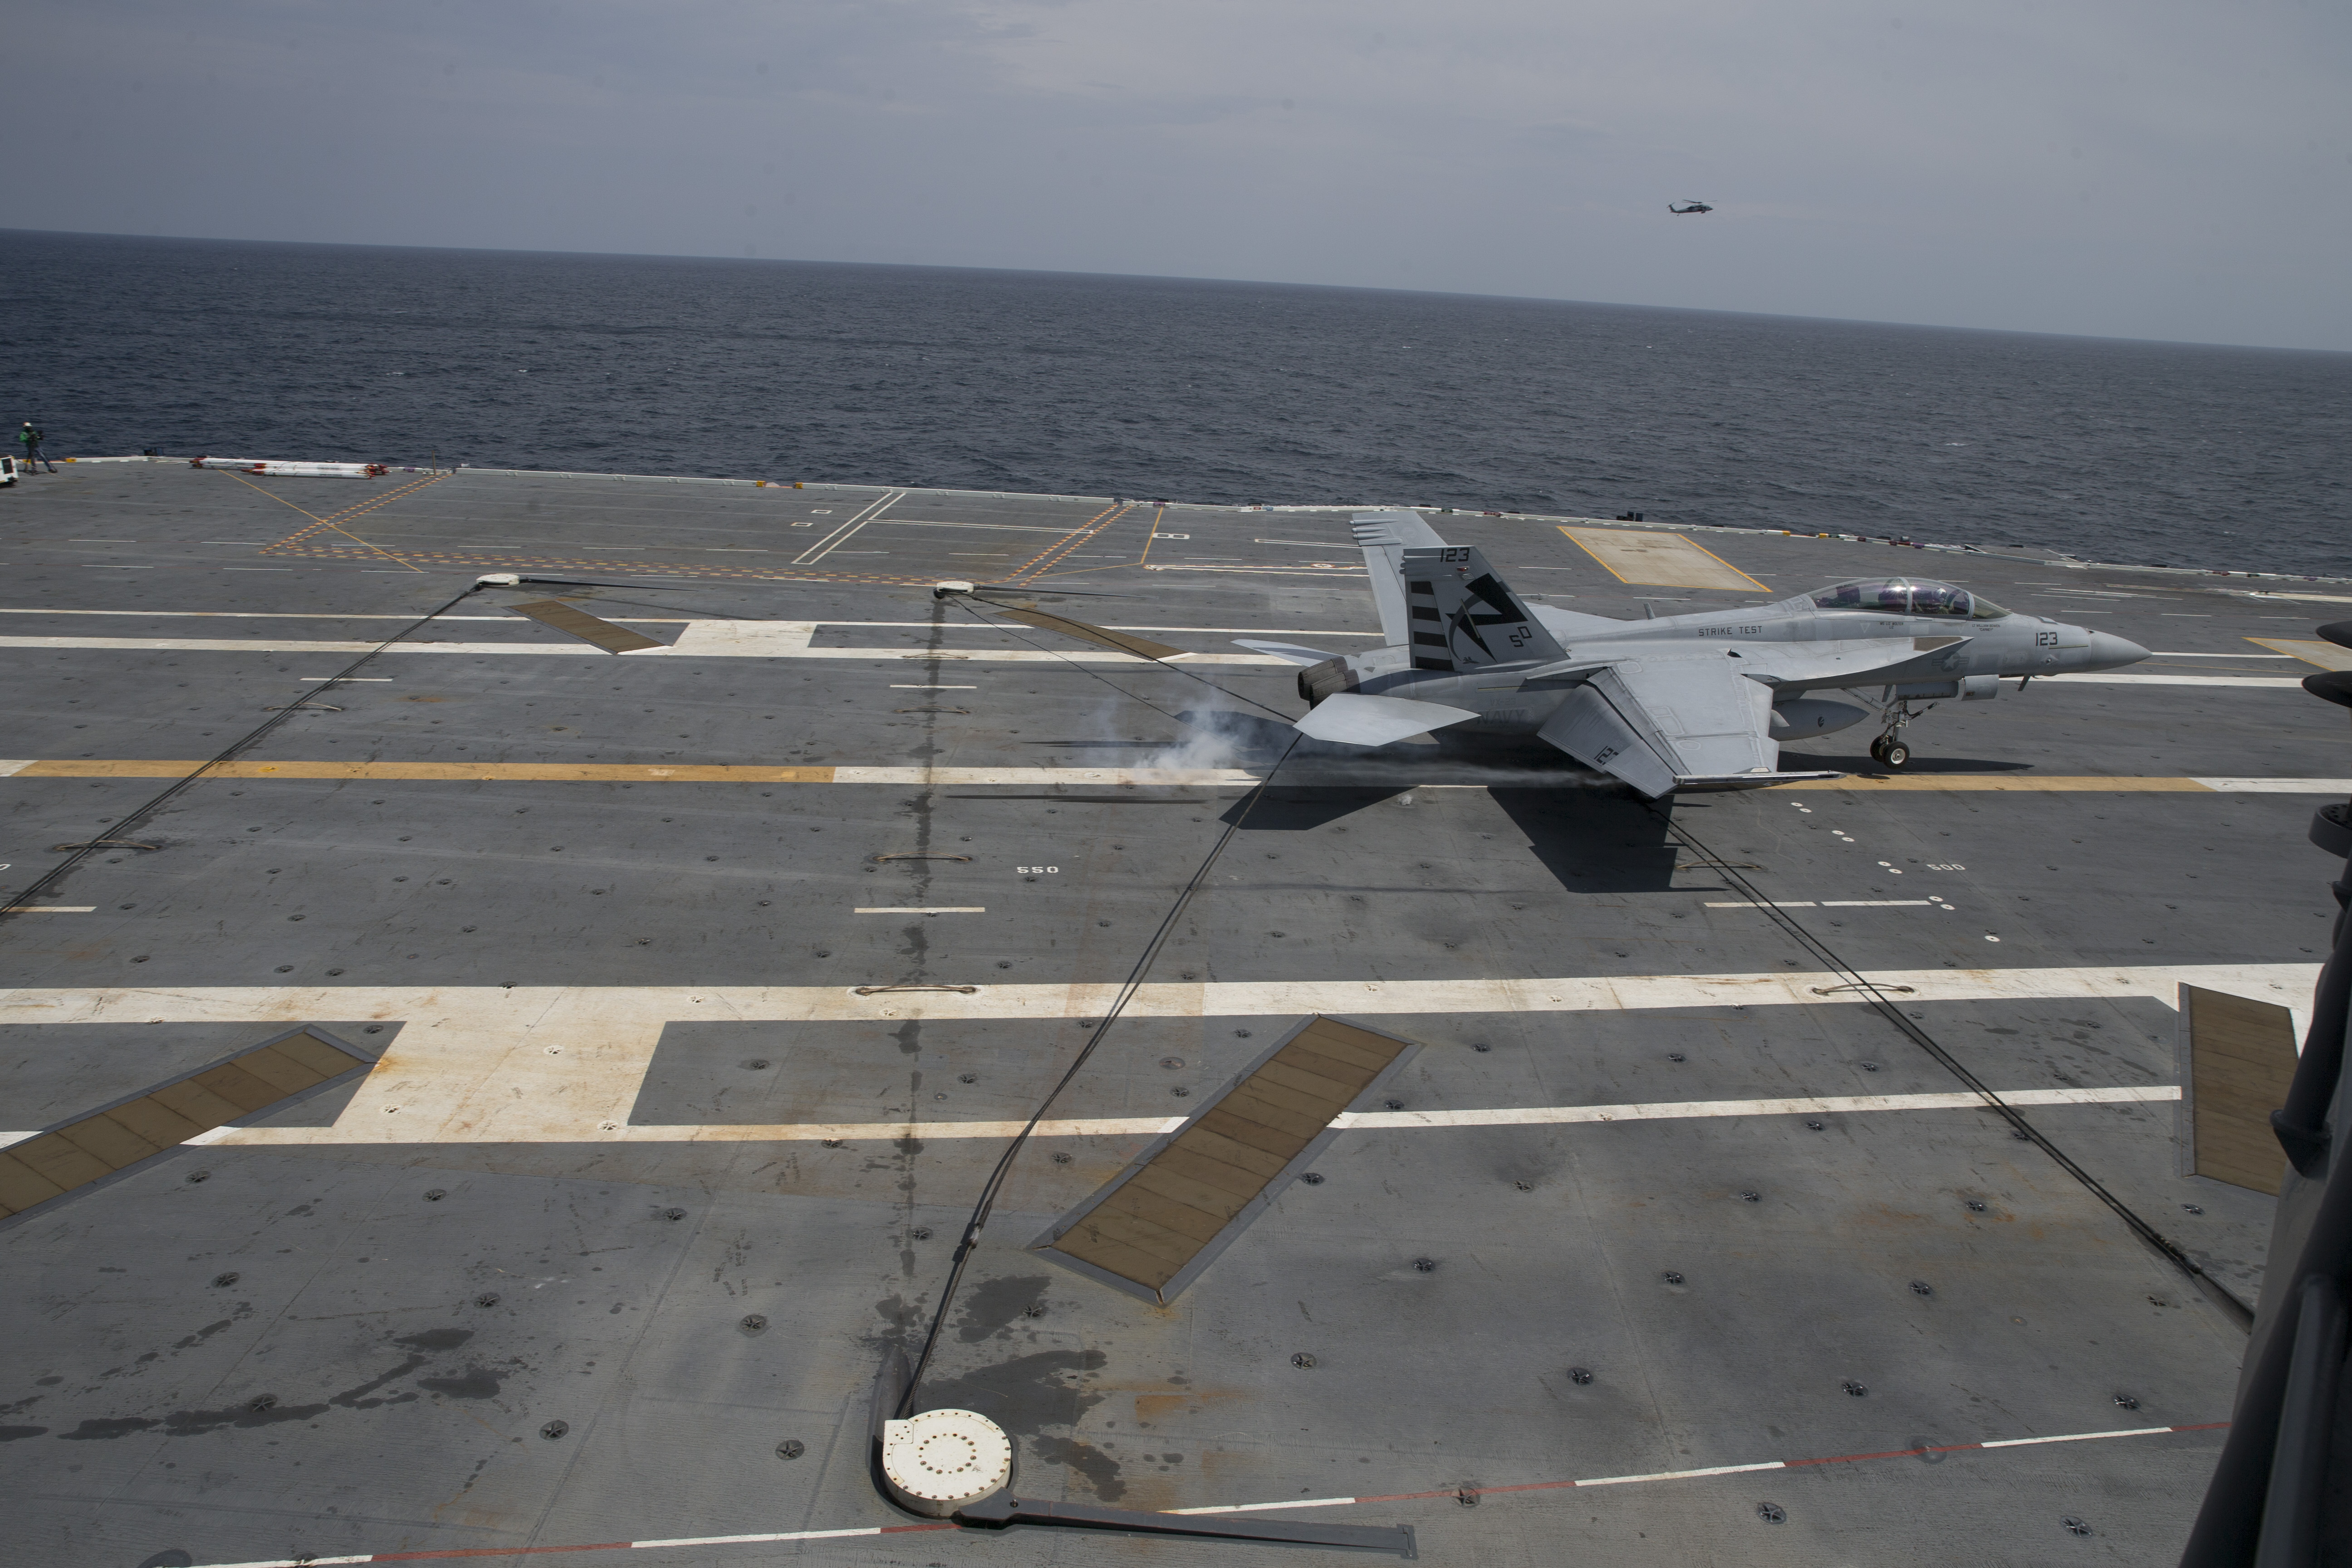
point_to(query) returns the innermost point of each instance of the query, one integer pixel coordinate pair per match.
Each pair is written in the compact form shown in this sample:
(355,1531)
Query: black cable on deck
(49,881)
(997,1177)
(1892,1011)
(965,605)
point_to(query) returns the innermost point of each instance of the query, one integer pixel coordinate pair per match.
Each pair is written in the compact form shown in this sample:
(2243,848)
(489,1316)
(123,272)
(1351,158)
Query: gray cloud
(2147,169)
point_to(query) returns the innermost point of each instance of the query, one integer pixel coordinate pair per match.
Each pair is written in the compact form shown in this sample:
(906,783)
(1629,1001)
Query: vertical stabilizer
(1385,537)
(1461,615)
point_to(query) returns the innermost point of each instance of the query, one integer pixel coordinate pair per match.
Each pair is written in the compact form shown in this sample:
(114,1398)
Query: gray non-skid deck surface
(414,1348)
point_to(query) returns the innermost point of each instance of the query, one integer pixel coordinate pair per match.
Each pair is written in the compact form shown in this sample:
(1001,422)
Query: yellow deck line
(592,773)
(1651,556)
(2326,655)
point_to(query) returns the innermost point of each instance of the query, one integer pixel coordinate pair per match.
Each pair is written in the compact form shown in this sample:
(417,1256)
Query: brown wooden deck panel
(2241,1059)
(1242,1131)
(1151,1224)
(1169,1214)
(578,623)
(99,1145)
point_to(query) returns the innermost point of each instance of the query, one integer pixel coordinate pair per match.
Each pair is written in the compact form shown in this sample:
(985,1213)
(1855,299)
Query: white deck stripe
(1272,1506)
(1681,1475)
(686,620)
(740,1540)
(1154,1127)
(1824,904)
(2070,1438)
(552,1064)
(761,639)
(1680,1111)
(2290,983)
(1178,778)
(715,646)
(841,532)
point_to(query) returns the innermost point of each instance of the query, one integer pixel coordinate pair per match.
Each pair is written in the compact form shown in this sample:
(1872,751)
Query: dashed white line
(924,910)
(1458,1493)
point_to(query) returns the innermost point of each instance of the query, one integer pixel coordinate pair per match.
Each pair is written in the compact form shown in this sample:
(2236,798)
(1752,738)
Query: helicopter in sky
(1689,206)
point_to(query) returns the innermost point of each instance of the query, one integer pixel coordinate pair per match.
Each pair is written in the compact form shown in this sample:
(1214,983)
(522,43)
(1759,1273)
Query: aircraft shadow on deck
(1302,809)
(1594,842)
(1860,763)
(1591,841)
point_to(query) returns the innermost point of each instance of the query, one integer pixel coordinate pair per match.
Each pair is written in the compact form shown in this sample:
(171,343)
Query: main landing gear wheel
(1889,753)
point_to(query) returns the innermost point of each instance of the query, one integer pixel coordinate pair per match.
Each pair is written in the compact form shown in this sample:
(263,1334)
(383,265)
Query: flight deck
(653,1073)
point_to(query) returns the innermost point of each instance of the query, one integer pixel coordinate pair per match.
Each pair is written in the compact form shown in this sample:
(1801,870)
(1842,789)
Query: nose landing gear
(1888,751)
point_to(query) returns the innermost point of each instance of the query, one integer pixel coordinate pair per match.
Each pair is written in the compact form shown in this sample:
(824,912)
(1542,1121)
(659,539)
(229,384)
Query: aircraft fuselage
(1951,657)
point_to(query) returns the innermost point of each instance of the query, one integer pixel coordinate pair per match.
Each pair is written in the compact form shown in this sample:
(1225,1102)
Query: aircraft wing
(1854,663)
(1385,537)
(1290,653)
(1663,724)
(1358,720)
(1569,625)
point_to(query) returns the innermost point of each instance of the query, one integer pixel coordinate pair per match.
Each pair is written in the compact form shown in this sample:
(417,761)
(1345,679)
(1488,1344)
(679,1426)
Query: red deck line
(787,1535)
(488,1551)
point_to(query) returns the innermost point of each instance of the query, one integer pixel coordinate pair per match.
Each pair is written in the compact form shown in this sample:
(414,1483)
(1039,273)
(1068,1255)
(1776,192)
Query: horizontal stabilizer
(1289,652)
(1588,729)
(1355,720)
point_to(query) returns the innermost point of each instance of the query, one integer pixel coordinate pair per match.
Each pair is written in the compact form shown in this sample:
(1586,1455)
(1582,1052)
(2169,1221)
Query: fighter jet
(1688,207)
(1699,701)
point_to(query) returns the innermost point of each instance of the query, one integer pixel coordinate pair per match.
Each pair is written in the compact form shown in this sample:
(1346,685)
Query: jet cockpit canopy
(1906,596)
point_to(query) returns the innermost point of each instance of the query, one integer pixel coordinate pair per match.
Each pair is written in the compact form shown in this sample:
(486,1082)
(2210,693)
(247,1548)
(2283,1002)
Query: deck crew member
(30,439)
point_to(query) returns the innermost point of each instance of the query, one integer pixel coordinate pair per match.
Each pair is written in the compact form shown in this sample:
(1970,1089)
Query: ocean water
(1197,391)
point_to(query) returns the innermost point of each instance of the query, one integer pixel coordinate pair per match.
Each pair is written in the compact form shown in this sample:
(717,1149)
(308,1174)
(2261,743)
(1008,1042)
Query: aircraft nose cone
(2109,651)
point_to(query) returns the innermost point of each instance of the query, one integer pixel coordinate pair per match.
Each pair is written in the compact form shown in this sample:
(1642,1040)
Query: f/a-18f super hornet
(1705,699)
(1702,700)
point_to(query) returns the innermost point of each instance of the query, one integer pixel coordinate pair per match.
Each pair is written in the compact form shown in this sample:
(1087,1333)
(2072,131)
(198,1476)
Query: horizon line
(1163,277)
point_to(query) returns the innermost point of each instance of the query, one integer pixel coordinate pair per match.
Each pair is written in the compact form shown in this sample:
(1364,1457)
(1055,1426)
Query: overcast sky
(2137,168)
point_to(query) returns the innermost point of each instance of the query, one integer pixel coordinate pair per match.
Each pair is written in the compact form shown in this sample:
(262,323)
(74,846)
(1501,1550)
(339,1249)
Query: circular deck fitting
(941,1459)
